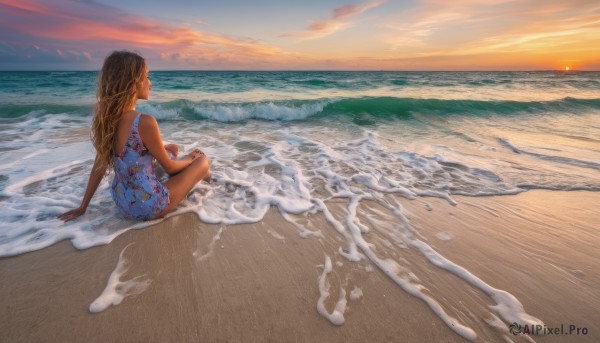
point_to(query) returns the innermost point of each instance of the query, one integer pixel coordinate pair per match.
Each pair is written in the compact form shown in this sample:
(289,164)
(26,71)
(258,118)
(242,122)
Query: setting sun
(327,35)
(567,68)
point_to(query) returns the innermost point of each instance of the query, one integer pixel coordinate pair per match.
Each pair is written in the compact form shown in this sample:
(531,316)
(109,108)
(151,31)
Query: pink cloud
(20,6)
(70,25)
(355,9)
(336,22)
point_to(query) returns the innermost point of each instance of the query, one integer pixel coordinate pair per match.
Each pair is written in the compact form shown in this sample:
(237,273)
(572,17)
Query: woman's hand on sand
(173,149)
(72,214)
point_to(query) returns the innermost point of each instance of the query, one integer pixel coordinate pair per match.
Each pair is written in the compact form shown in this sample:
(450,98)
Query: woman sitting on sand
(130,142)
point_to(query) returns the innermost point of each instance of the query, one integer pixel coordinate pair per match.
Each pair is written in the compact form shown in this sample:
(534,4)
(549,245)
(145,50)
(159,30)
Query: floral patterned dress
(135,188)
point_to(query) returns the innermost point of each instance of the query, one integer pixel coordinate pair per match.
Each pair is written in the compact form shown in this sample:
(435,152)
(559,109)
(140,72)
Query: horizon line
(320,70)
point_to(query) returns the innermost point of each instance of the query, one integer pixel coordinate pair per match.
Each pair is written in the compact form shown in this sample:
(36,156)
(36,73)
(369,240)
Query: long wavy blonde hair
(117,91)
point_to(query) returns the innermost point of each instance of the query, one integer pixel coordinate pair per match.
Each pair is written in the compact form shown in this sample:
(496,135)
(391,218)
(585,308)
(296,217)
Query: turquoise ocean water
(293,141)
(468,133)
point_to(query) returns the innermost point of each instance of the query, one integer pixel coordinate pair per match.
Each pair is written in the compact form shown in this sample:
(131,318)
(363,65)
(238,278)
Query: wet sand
(259,282)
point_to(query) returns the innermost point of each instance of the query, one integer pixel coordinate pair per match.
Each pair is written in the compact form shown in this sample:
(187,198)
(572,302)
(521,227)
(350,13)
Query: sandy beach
(260,282)
(379,171)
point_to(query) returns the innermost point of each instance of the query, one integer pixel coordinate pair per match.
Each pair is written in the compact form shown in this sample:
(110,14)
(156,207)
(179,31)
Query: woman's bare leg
(181,184)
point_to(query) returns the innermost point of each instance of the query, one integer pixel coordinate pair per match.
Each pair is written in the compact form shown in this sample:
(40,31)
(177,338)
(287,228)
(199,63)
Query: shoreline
(259,282)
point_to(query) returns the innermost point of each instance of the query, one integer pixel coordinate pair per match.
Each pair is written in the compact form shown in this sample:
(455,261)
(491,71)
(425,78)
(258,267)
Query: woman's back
(135,188)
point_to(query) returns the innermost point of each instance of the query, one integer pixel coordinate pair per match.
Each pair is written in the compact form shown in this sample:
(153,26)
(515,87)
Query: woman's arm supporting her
(150,135)
(96,176)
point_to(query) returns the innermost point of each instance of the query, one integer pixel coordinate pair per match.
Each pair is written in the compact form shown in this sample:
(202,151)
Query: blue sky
(308,35)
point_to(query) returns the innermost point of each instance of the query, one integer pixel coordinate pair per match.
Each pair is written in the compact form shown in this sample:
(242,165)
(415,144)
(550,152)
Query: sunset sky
(303,35)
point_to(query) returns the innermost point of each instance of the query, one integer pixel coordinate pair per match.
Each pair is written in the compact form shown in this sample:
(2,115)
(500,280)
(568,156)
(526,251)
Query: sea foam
(117,290)
(348,148)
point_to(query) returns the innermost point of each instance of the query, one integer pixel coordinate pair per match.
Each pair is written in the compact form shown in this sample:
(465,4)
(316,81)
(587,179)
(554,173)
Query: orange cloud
(517,31)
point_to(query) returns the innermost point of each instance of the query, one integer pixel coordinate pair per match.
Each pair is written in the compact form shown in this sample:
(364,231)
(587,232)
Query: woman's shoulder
(147,120)
(147,125)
